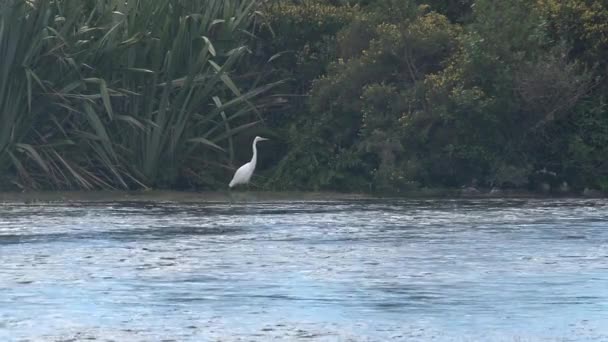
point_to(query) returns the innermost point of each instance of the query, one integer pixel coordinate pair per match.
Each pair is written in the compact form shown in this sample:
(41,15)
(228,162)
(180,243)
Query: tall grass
(120,94)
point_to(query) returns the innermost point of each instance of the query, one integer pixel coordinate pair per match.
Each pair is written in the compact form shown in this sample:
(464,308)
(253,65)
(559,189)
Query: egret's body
(244,173)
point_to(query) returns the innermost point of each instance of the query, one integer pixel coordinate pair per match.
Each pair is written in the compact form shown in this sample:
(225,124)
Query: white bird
(244,173)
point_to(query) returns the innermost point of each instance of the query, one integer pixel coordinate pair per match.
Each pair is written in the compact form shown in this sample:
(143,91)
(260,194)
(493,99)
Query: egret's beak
(262,139)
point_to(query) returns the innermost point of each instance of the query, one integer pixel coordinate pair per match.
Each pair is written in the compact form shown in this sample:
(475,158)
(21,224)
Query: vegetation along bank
(387,96)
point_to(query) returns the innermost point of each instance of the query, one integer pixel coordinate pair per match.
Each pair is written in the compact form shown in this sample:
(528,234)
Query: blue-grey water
(385,270)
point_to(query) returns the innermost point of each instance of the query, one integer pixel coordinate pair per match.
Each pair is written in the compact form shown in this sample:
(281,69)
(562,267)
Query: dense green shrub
(417,98)
(354,125)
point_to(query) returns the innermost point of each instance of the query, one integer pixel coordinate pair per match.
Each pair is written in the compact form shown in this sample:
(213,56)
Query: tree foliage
(449,94)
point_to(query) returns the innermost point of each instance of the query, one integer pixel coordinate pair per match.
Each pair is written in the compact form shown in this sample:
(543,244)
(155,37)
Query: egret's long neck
(255,153)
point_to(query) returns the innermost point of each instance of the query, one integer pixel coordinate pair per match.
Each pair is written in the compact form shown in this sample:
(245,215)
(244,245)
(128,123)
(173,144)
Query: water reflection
(463,270)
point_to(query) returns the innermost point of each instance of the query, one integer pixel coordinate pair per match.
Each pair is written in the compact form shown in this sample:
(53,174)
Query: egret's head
(258,138)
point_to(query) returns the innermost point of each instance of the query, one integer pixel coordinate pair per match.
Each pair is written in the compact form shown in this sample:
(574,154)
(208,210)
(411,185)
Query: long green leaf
(207,142)
(31,151)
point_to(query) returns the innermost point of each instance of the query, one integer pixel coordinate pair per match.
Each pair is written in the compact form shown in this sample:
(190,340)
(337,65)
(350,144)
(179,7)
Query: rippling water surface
(399,270)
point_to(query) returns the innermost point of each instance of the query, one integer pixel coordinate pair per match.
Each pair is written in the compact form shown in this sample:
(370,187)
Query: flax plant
(107,94)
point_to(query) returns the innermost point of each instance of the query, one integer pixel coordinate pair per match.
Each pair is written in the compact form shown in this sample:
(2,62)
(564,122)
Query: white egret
(244,173)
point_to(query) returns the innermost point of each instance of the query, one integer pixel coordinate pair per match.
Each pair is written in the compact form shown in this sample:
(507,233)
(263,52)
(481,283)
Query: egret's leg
(230,196)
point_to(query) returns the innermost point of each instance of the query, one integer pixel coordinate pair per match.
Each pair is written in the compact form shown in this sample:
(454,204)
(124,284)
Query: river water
(361,270)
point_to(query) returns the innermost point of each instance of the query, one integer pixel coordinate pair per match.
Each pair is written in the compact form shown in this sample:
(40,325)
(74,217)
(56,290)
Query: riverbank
(171,196)
(266,196)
